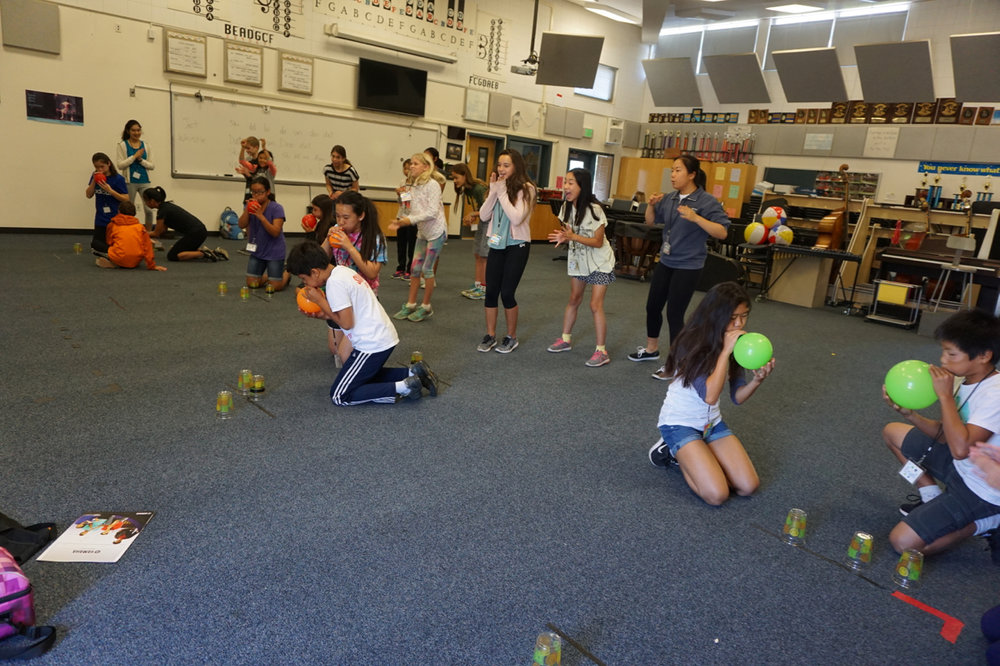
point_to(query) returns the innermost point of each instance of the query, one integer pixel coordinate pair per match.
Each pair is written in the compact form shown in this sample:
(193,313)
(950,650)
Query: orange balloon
(305,304)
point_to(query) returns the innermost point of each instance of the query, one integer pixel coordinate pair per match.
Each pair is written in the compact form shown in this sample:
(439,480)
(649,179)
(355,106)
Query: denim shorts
(677,436)
(256,267)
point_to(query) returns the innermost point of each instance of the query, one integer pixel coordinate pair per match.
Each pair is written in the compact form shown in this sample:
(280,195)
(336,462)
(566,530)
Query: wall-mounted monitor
(391,88)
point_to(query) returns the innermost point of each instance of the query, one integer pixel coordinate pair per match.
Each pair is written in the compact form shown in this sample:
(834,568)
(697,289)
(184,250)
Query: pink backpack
(17,614)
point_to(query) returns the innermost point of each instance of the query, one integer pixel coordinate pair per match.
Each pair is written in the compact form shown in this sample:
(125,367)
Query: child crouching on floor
(128,241)
(351,304)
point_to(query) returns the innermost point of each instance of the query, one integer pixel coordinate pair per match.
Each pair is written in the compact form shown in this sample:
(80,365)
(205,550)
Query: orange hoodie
(129,242)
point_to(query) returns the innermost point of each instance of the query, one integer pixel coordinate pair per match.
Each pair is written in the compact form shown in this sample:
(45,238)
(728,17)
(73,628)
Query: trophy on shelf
(985,194)
(921,195)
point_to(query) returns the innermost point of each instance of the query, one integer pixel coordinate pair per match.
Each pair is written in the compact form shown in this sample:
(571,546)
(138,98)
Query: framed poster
(243,63)
(296,74)
(184,53)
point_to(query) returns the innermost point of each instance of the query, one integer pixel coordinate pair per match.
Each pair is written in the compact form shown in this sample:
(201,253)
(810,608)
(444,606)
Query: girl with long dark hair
(693,434)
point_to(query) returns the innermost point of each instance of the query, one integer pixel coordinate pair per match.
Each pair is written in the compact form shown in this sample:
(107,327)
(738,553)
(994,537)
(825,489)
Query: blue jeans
(677,436)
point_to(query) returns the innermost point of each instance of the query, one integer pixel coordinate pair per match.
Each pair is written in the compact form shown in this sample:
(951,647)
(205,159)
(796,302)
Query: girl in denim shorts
(694,436)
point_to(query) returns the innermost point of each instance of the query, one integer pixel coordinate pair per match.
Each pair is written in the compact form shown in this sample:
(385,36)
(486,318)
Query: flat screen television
(391,88)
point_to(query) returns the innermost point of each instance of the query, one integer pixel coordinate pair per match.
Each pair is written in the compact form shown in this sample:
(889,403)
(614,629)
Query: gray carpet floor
(449,530)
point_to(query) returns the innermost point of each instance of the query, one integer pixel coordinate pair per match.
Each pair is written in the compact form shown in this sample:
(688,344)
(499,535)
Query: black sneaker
(208,254)
(427,378)
(913,501)
(640,354)
(221,254)
(659,455)
(416,392)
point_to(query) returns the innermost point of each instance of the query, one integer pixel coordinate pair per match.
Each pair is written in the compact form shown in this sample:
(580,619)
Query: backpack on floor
(229,225)
(17,614)
(23,542)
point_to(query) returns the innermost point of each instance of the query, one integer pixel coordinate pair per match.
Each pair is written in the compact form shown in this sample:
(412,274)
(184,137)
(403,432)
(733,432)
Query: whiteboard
(206,134)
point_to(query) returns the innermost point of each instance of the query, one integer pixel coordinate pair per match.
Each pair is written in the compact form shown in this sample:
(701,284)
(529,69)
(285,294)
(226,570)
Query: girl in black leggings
(689,215)
(507,209)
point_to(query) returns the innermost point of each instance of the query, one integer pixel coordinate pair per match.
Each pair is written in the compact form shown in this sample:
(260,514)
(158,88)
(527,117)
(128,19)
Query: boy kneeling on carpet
(350,303)
(934,451)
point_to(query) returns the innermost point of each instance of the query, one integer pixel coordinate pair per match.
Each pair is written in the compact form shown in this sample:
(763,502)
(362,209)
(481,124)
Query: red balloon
(308,222)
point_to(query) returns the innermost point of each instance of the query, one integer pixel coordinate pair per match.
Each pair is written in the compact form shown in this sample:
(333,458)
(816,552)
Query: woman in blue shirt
(689,216)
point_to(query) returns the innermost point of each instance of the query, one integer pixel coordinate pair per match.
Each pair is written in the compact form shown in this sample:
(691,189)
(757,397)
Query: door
(481,152)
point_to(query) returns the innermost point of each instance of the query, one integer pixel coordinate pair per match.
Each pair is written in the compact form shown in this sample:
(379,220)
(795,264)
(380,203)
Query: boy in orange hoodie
(128,241)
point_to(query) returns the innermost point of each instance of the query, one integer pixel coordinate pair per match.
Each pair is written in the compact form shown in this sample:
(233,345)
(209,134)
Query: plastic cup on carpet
(244,381)
(859,553)
(257,388)
(224,405)
(77,248)
(223,288)
(908,569)
(794,531)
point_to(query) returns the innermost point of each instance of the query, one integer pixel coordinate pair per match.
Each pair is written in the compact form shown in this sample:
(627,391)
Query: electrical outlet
(118,27)
(131,91)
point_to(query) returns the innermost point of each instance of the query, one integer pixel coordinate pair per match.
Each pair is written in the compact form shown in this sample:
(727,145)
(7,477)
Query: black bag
(23,542)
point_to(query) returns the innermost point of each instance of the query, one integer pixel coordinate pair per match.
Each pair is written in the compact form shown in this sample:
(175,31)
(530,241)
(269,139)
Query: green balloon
(909,385)
(753,351)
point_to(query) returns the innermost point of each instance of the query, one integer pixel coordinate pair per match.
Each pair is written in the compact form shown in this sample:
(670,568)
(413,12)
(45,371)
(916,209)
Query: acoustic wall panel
(810,75)
(985,145)
(790,139)
(952,144)
(29,24)
(574,124)
(898,72)
(914,143)
(974,60)
(568,60)
(671,82)
(500,106)
(849,141)
(632,135)
(767,139)
(737,79)
(555,119)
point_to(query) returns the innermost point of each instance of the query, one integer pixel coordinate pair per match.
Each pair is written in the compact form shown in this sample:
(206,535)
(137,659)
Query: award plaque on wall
(800,116)
(900,113)
(857,112)
(948,111)
(984,115)
(773,118)
(838,112)
(924,112)
(824,116)
(878,113)
(788,117)
(812,115)
(968,115)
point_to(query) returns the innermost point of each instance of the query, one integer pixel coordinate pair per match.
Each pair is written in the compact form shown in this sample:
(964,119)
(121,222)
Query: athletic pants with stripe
(363,379)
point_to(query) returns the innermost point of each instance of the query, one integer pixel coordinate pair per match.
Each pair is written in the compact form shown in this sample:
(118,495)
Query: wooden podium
(801,280)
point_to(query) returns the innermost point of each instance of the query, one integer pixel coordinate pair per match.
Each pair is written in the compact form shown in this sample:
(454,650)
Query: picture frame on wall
(184,53)
(296,74)
(453,152)
(243,63)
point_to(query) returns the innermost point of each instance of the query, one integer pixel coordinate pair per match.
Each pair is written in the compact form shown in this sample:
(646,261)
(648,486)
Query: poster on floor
(54,108)
(97,537)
